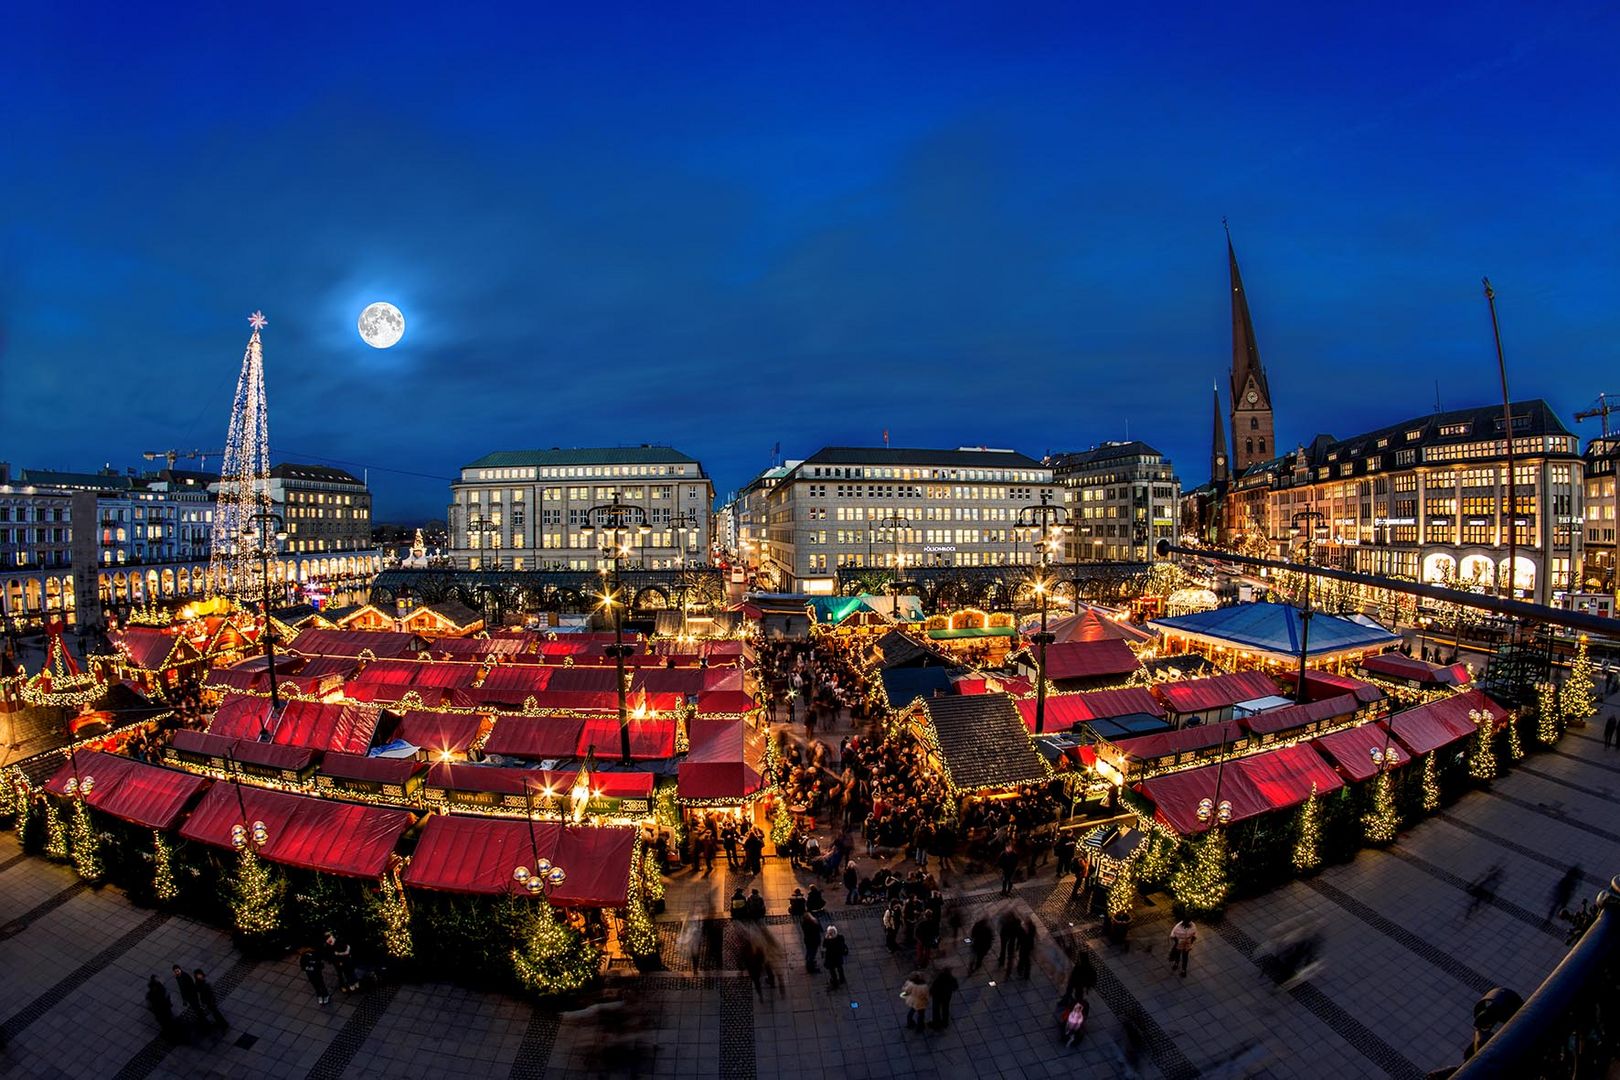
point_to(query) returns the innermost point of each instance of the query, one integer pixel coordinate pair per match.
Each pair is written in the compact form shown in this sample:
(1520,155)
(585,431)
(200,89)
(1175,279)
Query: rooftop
(324,474)
(979,457)
(645,454)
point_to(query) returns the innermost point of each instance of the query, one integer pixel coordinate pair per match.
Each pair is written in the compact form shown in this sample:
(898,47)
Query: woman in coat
(915,994)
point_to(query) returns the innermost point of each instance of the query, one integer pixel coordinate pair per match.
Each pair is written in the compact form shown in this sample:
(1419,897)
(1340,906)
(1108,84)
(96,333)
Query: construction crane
(171,456)
(1606,404)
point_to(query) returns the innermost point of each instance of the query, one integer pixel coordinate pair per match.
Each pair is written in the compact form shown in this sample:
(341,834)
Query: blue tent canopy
(1275,628)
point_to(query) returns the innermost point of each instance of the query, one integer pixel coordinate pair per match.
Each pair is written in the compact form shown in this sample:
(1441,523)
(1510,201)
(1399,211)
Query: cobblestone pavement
(1403,965)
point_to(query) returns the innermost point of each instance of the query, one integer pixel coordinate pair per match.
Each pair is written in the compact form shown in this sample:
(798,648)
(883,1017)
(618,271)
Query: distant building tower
(1253,437)
(1218,460)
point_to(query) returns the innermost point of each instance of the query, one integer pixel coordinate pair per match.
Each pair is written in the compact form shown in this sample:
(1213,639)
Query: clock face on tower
(1253,397)
(1220,459)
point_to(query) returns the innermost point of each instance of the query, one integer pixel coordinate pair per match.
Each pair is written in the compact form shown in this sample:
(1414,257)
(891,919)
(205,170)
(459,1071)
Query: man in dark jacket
(157,999)
(753,846)
(187,988)
(834,949)
(1063,851)
(314,969)
(810,932)
(207,1003)
(980,938)
(852,882)
(940,992)
(1007,933)
(1009,867)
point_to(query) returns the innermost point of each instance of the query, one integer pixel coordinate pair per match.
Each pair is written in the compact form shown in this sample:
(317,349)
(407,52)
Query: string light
(256,895)
(1200,884)
(1547,716)
(1308,838)
(164,887)
(86,845)
(244,480)
(1481,758)
(1578,699)
(1431,783)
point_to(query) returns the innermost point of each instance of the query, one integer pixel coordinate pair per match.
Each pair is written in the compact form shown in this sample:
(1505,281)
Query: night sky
(724,229)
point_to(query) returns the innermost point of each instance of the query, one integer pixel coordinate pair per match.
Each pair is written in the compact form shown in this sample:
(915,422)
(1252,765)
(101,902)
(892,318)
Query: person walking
(979,940)
(796,904)
(342,958)
(814,902)
(1009,867)
(753,850)
(914,992)
(1182,936)
(810,934)
(834,950)
(157,999)
(187,988)
(753,958)
(1082,977)
(1562,891)
(1608,730)
(940,992)
(852,883)
(728,840)
(891,926)
(207,1003)
(1026,947)
(1007,935)
(1063,852)
(314,969)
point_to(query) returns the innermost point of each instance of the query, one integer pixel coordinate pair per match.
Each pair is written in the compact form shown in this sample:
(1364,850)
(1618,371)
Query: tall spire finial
(258,321)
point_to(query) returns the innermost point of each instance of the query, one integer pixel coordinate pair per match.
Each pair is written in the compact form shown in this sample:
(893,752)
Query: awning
(316,834)
(1441,723)
(1351,749)
(1183,740)
(725,703)
(240,717)
(148,795)
(1394,665)
(1219,692)
(1089,659)
(1064,711)
(536,736)
(649,739)
(376,770)
(341,726)
(726,762)
(439,732)
(1326,684)
(1275,780)
(1294,717)
(379,643)
(246,751)
(477,855)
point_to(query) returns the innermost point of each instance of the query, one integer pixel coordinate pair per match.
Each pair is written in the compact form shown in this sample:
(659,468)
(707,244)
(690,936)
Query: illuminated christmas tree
(1578,699)
(56,841)
(1382,820)
(256,896)
(1431,783)
(85,843)
(1308,842)
(244,481)
(551,958)
(1481,757)
(1122,893)
(1546,713)
(395,918)
(1200,884)
(1514,746)
(164,887)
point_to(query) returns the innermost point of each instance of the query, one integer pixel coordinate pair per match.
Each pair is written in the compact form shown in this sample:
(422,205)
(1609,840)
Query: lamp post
(1305,613)
(266,538)
(681,523)
(617,522)
(1046,517)
(242,834)
(545,875)
(895,524)
(485,526)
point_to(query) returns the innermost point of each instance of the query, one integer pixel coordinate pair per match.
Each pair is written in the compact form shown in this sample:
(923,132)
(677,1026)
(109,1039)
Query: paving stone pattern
(1406,954)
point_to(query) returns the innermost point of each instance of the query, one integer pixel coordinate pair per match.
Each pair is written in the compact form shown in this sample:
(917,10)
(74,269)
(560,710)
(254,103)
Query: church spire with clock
(1253,437)
(1217,450)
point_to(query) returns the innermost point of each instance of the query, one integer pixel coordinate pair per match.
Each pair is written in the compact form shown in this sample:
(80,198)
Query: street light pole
(266,537)
(1305,613)
(1043,515)
(617,521)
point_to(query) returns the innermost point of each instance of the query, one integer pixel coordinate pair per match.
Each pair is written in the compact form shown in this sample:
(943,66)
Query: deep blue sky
(724,229)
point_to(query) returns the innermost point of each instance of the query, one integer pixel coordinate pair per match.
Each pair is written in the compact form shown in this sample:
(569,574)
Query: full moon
(381,325)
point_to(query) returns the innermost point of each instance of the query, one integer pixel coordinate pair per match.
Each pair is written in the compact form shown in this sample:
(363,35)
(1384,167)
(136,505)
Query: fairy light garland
(1431,783)
(1481,757)
(1201,884)
(1382,821)
(56,841)
(1308,841)
(1547,714)
(256,896)
(85,844)
(164,887)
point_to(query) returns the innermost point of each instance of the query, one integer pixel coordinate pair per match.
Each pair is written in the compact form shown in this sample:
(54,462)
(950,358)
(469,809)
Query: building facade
(1123,498)
(887,507)
(1598,567)
(324,509)
(1428,500)
(528,509)
(752,507)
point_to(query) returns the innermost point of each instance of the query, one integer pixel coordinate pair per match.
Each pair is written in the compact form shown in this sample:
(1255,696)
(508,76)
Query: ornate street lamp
(1309,536)
(617,522)
(545,875)
(1048,518)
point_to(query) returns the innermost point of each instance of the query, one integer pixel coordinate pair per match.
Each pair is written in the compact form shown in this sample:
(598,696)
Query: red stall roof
(341,726)
(1325,684)
(148,795)
(1289,717)
(1275,780)
(726,761)
(1067,710)
(722,678)
(447,674)
(316,834)
(476,855)
(380,643)
(725,702)
(512,683)
(236,679)
(1197,737)
(378,770)
(1441,723)
(439,731)
(249,751)
(240,717)
(1219,692)
(1089,659)
(536,736)
(1398,666)
(649,739)
(397,672)
(1351,749)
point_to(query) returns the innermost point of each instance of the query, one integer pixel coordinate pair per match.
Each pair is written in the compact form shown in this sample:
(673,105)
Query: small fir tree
(56,841)
(1122,892)
(1514,747)
(86,844)
(1578,699)
(1308,834)
(164,887)
(1200,884)
(1481,756)
(1431,783)
(256,896)
(1382,820)
(1547,716)
(551,958)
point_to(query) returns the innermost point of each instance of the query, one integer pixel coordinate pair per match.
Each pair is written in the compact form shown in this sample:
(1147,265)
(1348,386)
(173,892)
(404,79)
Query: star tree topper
(257,320)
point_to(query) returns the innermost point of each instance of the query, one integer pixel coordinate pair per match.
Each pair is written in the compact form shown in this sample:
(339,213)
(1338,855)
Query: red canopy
(1325,684)
(236,679)
(240,717)
(341,726)
(1197,737)
(439,732)
(725,703)
(1290,717)
(512,683)
(477,855)
(1395,665)
(722,678)
(1275,780)
(316,834)
(1067,710)
(726,761)
(399,672)
(1089,659)
(352,643)
(379,770)
(1351,749)
(1219,692)
(148,795)
(649,739)
(247,751)
(1441,723)
(536,736)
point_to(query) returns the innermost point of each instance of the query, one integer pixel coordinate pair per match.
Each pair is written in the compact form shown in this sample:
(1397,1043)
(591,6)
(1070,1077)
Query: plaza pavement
(1403,965)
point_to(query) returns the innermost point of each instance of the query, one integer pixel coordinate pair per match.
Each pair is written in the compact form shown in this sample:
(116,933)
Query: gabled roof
(1443,722)
(899,649)
(1067,710)
(1217,692)
(1275,780)
(983,742)
(1274,721)
(148,795)
(324,474)
(1089,659)
(477,854)
(1276,628)
(903,685)
(1092,625)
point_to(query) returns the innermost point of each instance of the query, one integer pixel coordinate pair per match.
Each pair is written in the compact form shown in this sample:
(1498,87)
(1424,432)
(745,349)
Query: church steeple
(1217,449)
(1253,437)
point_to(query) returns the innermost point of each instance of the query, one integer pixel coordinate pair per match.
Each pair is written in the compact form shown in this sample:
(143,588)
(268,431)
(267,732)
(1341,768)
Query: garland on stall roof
(86,845)
(164,887)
